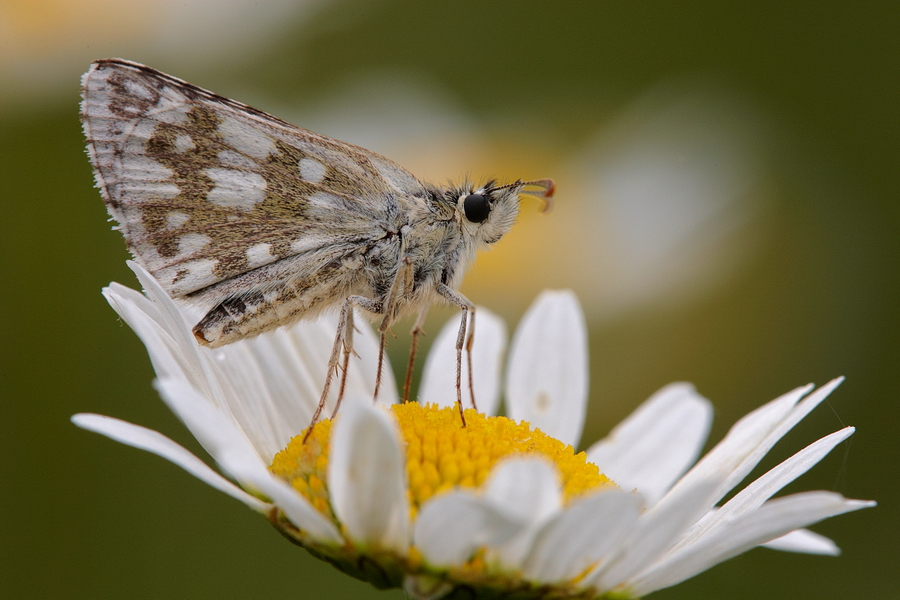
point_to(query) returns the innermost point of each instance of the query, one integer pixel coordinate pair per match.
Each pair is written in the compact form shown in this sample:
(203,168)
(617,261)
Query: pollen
(441,454)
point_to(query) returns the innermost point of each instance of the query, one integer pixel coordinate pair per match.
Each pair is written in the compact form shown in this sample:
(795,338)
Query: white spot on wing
(191,243)
(201,269)
(307,242)
(183,143)
(245,138)
(236,189)
(230,158)
(311,170)
(259,254)
(176,219)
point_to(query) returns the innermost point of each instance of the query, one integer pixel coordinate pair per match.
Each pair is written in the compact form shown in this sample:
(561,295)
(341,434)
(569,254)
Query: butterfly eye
(477,207)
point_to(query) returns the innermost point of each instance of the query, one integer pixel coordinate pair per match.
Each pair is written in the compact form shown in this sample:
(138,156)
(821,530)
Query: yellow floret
(441,454)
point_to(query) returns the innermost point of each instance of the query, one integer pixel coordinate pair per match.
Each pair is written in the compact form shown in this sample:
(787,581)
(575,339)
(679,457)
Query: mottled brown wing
(205,188)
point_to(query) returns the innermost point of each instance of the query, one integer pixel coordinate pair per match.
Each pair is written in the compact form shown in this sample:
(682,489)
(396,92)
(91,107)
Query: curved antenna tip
(546,194)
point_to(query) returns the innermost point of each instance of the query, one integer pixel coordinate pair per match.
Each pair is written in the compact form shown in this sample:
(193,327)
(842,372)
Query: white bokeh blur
(662,203)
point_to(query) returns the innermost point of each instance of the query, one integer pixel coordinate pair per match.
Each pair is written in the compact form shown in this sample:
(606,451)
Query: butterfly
(260,223)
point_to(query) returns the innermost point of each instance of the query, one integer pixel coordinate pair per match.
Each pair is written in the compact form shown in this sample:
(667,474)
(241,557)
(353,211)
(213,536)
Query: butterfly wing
(206,189)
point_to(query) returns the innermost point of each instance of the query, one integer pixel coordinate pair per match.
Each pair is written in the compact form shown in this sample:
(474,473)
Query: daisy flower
(401,495)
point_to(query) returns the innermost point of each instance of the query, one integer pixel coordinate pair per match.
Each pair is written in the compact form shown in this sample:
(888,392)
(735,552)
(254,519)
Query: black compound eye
(477,207)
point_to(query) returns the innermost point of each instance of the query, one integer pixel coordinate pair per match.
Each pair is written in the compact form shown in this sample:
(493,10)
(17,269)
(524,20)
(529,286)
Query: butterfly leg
(413,346)
(470,340)
(343,340)
(401,288)
(467,308)
(381,344)
(347,344)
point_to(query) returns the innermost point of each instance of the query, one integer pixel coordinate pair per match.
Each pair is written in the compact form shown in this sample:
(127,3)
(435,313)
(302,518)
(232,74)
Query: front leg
(467,308)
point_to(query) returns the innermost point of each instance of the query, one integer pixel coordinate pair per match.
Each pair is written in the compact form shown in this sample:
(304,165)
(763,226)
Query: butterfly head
(489,211)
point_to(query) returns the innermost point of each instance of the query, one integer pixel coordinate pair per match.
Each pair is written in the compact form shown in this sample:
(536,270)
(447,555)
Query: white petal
(298,509)
(804,541)
(755,494)
(528,490)
(366,477)
(751,438)
(452,526)
(246,397)
(176,324)
(528,487)
(656,531)
(439,377)
(656,444)
(169,358)
(173,350)
(215,432)
(234,453)
(169,315)
(155,442)
(581,536)
(774,519)
(269,385)
(547,377)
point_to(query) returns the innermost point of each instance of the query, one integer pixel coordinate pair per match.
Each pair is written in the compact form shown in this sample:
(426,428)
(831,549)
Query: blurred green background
(727,212)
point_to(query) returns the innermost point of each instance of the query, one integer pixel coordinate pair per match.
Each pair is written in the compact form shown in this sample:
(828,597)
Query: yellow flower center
(440,454)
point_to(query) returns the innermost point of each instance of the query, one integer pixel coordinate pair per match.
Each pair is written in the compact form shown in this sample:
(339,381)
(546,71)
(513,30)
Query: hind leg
(343,340)
(413,346)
